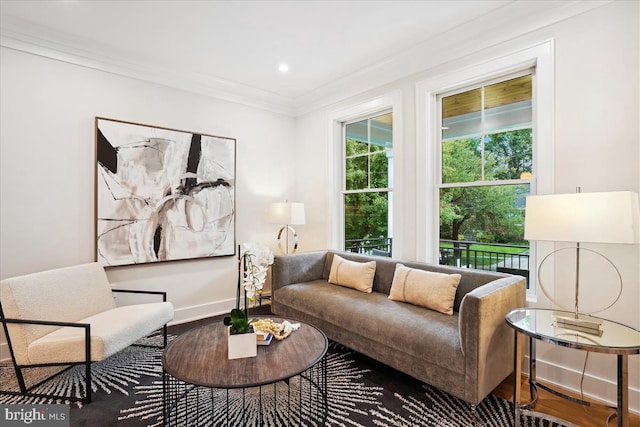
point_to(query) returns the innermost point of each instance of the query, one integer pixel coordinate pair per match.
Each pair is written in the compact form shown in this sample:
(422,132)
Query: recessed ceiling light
(283,68)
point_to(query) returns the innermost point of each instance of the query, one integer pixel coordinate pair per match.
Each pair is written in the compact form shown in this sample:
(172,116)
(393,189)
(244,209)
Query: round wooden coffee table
(285,384)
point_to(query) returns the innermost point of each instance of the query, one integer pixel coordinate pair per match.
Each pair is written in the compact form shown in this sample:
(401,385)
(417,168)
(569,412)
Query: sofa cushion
(385,270)
(429,289)
(406,328)
(111,331)
(352,274)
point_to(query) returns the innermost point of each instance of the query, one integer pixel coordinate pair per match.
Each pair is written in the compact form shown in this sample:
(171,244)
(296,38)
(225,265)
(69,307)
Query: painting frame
(162,194)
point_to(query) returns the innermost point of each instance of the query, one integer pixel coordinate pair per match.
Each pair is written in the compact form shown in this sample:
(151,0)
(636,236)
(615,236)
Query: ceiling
(232,49)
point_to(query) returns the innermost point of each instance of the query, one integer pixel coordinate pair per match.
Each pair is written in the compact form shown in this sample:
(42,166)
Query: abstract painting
(162,194)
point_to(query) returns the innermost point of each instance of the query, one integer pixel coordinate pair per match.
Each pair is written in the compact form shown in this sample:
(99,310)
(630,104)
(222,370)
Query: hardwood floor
(583,416)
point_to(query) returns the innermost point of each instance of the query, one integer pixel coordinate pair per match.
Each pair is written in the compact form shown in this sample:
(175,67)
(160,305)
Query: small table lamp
(610,217)
(287,213)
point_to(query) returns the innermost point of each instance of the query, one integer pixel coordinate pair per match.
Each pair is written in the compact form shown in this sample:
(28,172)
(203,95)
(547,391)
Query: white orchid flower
(257,260)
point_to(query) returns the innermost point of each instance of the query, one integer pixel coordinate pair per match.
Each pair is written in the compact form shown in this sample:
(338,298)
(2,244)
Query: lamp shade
(289,213)
(609,217)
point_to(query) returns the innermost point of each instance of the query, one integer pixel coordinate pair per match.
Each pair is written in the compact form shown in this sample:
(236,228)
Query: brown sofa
(466,354)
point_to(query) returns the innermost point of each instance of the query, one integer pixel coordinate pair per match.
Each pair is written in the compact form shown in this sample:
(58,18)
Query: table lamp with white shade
(607,217)
(287,214)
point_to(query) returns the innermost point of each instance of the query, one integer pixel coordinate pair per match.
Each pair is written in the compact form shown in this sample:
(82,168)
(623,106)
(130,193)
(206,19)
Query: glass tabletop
(540,323)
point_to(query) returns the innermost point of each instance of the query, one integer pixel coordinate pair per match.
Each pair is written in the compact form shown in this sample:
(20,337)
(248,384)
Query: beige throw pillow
(356,275)
(429,289)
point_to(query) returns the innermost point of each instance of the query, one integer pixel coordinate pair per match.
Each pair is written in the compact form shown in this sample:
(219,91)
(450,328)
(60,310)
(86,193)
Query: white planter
(242,345)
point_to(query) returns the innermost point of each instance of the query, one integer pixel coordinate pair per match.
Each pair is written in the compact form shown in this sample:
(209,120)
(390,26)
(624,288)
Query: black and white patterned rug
(127,391)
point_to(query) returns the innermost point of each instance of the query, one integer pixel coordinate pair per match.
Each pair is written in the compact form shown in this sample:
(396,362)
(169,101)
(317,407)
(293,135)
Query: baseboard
(597,389)
(197,312)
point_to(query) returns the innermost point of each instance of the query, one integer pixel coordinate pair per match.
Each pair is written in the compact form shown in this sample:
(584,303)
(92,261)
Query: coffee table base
(297,401)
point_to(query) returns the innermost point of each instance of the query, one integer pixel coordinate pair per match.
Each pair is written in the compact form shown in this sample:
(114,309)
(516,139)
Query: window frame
(368,189)
(390,102)
(428,125)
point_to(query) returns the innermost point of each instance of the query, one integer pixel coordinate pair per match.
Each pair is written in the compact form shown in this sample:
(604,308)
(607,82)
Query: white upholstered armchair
(68,316)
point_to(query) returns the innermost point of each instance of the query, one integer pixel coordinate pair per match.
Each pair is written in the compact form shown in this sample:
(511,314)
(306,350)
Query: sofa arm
(19,354)
(486,340)
(297,268)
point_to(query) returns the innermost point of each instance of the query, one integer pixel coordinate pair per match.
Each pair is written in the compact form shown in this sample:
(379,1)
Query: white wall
(597,147)
(47,172)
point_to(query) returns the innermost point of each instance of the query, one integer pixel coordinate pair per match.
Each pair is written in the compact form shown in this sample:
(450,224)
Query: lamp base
(287,228)
(575,308)
(589,326)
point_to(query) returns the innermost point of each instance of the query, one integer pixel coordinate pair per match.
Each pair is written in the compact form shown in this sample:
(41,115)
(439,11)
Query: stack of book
(263,338)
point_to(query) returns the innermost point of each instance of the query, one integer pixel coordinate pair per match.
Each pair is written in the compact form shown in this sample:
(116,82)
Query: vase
(241,345)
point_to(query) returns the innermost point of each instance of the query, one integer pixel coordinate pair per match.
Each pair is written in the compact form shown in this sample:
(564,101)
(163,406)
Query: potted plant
(241,336)
(238,322)
(253,263)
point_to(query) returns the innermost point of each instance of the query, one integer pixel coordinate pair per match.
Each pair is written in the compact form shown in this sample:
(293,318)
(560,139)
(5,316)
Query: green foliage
(379,170)
(461,160)
(490,213)
(239,322)
(491,210)
(366,214)
(512,152)
(485,237)
(357,176)
(354,147)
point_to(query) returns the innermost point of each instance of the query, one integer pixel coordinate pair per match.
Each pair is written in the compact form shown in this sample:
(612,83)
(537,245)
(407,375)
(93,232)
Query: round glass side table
(540,324)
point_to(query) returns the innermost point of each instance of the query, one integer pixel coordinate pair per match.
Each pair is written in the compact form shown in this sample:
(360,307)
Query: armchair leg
(20,377)
(88,396)
(164,333)
(87,361)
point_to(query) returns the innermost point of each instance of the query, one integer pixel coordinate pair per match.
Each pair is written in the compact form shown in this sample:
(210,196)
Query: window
(486,164)
(539,60)
(368,184)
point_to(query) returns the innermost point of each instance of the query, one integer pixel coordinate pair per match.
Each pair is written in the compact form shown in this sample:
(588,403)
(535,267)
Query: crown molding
(51,47)
(514,20)
(503,24)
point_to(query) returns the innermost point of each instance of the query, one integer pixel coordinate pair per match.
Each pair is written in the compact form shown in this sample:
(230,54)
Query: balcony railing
(513,259)
(502,259)
(374,246)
